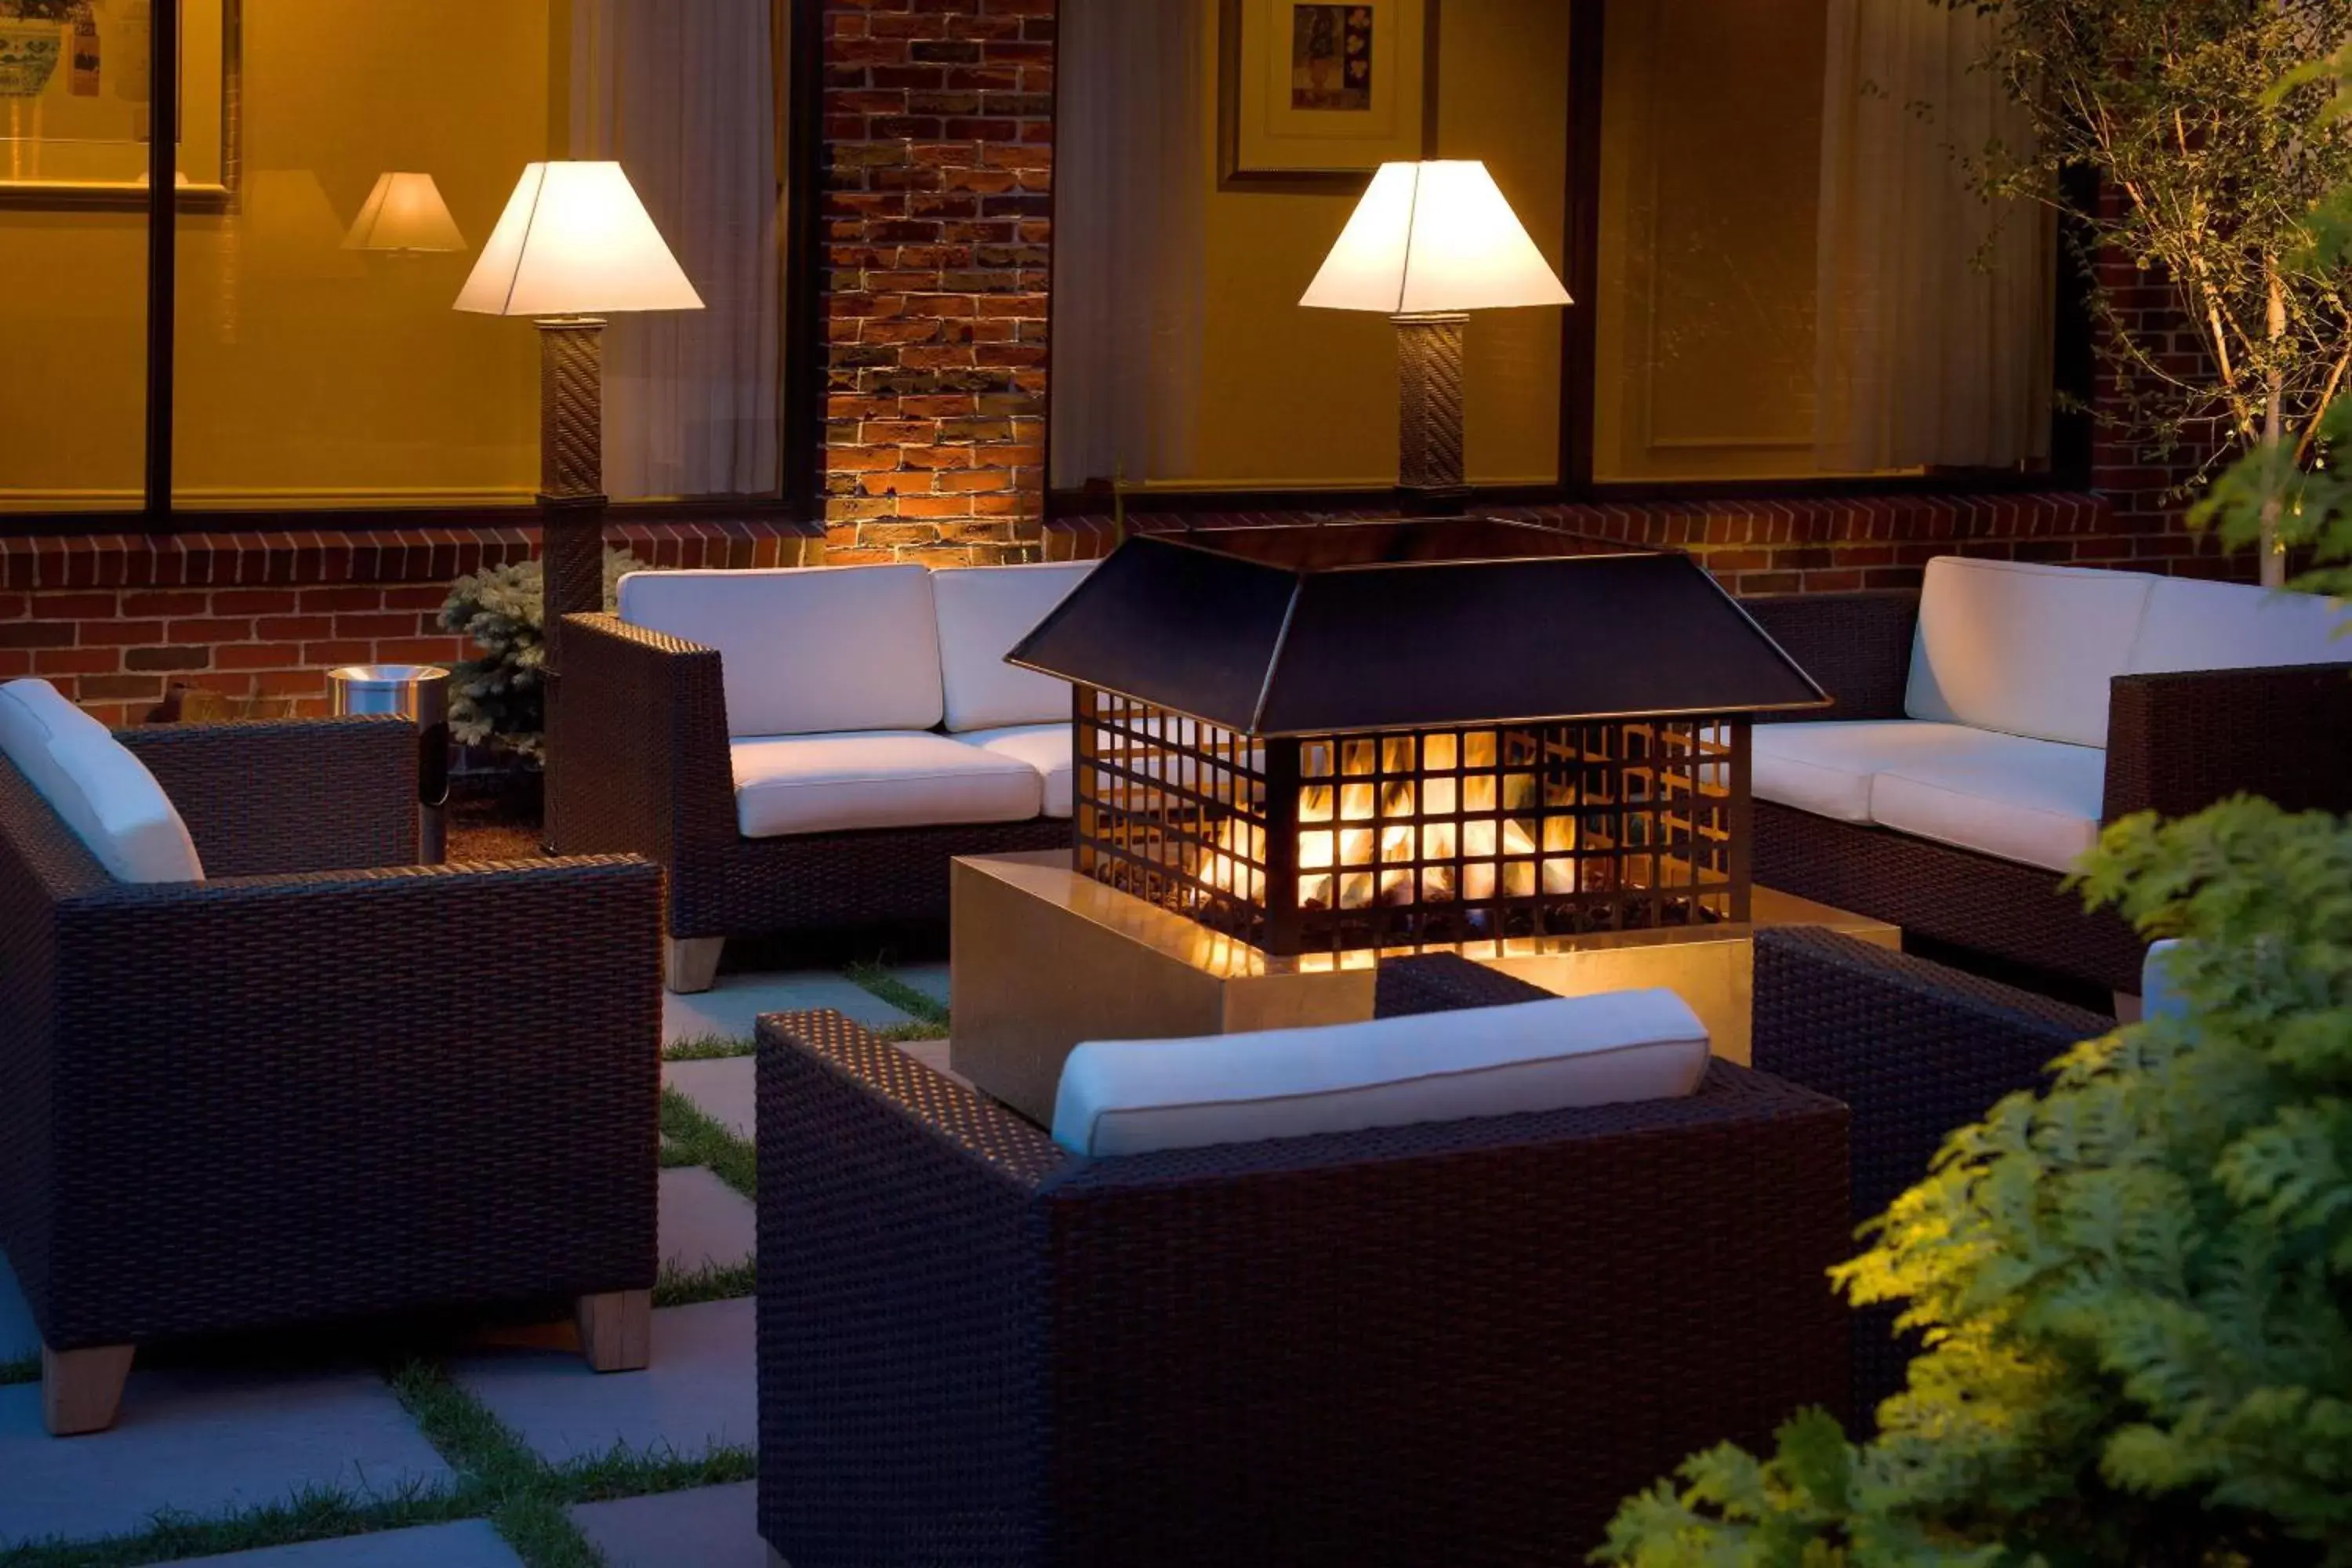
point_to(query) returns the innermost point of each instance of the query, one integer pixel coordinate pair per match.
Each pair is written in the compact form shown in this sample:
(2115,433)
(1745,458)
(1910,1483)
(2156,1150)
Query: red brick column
(937,211)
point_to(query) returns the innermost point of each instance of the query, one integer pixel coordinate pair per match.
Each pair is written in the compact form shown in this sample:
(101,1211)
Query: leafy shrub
(2136,1286)
(497,698)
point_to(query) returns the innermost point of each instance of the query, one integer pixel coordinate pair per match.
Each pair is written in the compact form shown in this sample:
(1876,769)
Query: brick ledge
(309,557)
(1799,543)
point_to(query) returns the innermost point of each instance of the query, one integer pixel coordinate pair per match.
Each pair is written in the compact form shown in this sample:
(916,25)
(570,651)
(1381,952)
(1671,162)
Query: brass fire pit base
(1043,959)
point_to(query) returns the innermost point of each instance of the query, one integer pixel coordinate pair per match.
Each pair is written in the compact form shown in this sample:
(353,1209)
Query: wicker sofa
(1987,728)
(804,750)
(270,1096)
(1459,1341)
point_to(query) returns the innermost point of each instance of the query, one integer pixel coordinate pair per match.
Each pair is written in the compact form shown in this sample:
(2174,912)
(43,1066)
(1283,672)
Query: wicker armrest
(278,1098)
(1916,1051)
(1856,645)
(642,731)
(1446,983)
(2178,742)
(310,795)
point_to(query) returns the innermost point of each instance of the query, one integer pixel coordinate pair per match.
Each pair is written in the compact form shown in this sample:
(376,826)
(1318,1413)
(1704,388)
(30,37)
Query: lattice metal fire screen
(1373,733)
(1334,843)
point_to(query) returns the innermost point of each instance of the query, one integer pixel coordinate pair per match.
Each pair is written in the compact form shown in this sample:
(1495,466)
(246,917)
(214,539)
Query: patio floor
(504,1450)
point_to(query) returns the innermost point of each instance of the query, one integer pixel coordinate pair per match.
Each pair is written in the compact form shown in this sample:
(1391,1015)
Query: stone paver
(19,1339)
(705,1222)
(471,1543)
(930,979)
(711,1527)
(206,1443)
(699,1393)
(728,1010)
(726,1090)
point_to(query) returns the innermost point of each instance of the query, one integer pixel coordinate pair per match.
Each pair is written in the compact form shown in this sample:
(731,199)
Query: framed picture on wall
(76,102)
(1313,96)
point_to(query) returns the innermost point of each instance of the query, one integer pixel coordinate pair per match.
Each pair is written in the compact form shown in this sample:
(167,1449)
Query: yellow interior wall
(306,372)
(1303,397)
(1705,343)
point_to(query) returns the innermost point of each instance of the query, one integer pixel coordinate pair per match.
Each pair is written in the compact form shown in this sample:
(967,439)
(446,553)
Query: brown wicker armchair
(287,1093)
(642,735)
(1459,1342)
(2176,744)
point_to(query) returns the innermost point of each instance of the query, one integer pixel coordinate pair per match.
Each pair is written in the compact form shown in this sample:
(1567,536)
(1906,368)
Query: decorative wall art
(76,102)
(1314,97)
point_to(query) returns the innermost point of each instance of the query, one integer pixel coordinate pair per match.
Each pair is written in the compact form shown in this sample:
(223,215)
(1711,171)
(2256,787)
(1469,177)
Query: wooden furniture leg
(616,1330)
(691,963)
(81,1391)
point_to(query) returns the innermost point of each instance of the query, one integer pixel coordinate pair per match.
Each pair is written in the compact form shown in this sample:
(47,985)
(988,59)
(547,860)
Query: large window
(342,162)
(1766,210)
(1795,274)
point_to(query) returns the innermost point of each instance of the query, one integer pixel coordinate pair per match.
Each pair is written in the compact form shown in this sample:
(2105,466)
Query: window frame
(2073,370)
(798,31)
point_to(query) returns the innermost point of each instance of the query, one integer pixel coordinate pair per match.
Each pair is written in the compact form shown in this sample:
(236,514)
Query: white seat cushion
(834,783)
(2026,649)
(2034,802)
(1131,1097)
(96,786)
(2192,625)
(983,612)
(1827,768)
(806,650)
(1045,747)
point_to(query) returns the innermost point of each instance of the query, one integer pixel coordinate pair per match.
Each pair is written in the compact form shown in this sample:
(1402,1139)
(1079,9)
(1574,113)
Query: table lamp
(406,216)
(573,246)
(1429,243)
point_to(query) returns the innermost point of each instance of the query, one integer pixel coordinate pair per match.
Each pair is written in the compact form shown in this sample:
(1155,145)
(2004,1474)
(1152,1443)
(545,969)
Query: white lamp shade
(404,212)
(575,241)
(1433,238)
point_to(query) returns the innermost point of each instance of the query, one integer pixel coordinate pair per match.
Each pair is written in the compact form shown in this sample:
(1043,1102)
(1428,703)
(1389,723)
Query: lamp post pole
(572,505)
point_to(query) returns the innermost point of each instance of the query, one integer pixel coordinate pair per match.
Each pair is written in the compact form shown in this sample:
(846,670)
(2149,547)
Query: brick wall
(1808,545)
(115,622)
(936,215)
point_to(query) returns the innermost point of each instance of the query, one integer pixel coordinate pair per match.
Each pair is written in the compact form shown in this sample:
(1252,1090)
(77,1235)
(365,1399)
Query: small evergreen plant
(498,698)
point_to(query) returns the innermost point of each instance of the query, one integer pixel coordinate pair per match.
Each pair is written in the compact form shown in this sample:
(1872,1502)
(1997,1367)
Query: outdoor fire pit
(1380,734)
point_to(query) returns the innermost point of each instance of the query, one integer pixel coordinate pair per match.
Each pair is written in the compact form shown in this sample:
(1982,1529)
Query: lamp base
(1428,412)
(571,511)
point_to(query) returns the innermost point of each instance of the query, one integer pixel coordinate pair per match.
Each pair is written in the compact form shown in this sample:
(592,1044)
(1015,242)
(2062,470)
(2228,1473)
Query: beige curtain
(1130,178)
(682,92)
(1936,305)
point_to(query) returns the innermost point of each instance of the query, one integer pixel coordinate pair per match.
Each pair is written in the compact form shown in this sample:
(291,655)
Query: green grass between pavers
(526,1496)
(690,1138)
(882,983)
(708,1048)
(319,1514)
(717,1282)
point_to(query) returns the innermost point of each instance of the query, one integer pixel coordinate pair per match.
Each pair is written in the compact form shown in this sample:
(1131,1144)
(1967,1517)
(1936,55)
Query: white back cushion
(1130,1097)
(984,611)
(805,650)
(2191,625)
(2026,650)
(96,785)
(2158,999)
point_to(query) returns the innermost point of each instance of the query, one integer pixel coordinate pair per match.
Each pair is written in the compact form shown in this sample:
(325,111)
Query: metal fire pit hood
(1345,627)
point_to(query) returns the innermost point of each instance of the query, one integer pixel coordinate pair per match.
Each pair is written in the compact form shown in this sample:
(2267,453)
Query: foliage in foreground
(2137,1286)
(497,698)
